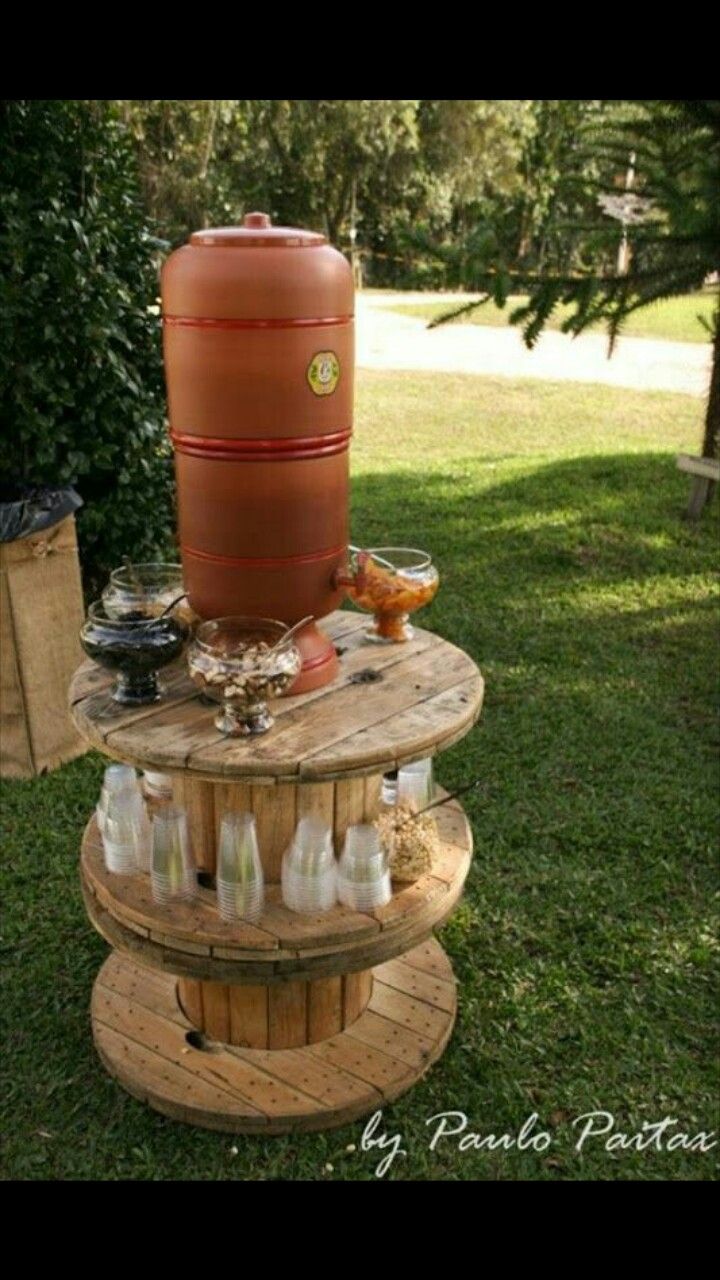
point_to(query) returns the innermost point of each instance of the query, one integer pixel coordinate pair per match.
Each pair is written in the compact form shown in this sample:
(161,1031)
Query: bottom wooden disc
(147,1043)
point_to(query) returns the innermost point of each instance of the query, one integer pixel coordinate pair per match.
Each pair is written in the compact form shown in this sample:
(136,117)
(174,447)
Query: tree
(81,384)
(312,155)
(466,170)
(674,210)
(387,166)
(189,153)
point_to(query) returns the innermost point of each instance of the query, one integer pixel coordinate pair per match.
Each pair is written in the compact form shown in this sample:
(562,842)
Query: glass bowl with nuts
(240,663)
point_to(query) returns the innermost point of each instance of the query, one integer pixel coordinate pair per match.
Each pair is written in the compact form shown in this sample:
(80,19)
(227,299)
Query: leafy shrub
(81,384)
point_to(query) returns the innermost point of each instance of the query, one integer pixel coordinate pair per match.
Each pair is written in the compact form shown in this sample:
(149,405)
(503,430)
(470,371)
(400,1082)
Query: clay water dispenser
(259,352)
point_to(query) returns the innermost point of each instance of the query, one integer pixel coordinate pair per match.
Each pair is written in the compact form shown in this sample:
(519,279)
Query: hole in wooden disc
(367,676)
(206,880)
(197,1040)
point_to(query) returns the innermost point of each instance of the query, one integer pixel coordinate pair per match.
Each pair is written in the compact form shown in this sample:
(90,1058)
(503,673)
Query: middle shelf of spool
(191,939)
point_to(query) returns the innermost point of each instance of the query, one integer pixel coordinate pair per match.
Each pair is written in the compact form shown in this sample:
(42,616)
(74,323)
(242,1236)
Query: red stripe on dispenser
(207,322)
(261,450)
(264,562)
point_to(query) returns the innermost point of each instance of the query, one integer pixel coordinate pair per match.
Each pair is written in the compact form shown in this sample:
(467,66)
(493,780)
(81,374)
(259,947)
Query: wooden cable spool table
(296,1022)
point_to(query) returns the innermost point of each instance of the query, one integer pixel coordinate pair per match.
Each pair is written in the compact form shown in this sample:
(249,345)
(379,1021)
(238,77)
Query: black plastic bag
(34,509)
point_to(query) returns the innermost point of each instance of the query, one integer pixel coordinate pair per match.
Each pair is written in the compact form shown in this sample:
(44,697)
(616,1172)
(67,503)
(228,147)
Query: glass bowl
(135,648)
(148,589)
(392,591)
(230,661)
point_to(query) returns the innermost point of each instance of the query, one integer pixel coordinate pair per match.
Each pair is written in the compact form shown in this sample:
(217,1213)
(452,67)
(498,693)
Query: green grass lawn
(675,319)
(584,946)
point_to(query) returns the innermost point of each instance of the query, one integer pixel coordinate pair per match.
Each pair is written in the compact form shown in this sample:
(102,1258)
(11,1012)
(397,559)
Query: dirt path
(388,340)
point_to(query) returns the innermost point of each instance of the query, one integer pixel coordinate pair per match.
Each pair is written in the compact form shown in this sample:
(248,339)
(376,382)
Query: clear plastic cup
(240,880)
(367,896)
(157,785)
(117,778)
(309,870)
(308,895)
(363,875)
(120,835)
(415,784)
(362,840)
(125,832)
(118,840)
(172,873)
(313,844)
(143,839)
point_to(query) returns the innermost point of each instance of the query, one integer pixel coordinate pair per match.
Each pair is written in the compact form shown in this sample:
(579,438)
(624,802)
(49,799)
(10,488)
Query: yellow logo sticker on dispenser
(323,373)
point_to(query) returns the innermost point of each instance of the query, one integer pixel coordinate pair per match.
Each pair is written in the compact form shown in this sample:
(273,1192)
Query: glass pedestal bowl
(234,662)
(391,583)
(146,588)
(134,647)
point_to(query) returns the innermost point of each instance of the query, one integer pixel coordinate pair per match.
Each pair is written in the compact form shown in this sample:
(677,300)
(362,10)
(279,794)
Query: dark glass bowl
(135,648)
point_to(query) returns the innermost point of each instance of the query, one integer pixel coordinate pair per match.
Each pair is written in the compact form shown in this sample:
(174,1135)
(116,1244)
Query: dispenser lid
(257,232)
(208,278)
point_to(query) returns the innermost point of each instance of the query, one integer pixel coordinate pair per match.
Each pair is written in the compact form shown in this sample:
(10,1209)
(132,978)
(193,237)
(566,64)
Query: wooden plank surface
(216,1010)
(324,1008)
(357,990)
(190,997)
(428,693)
(141,1035)
(249,1016)
(198,800)
(287,1015)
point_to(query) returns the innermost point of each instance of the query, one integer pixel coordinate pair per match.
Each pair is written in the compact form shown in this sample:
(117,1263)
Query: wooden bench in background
(705,472)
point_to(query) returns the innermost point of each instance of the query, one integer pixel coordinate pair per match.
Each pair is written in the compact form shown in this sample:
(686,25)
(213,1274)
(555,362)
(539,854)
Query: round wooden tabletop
(146,1041)
(389,705)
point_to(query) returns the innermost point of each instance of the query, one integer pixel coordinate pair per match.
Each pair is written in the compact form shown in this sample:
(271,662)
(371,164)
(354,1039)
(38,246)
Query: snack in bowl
(240,662)
(135,648)
(410,845)
(391,583)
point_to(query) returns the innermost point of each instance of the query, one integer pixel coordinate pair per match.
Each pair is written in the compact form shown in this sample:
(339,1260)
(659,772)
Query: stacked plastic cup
(415,784)
(172,872)
(158,786)
(363,875)
(309,870)
(121,833)
(117,777)
(388,792)
(123,822)
(240,880)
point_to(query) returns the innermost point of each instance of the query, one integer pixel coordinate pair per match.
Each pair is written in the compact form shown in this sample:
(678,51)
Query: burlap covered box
(41,612)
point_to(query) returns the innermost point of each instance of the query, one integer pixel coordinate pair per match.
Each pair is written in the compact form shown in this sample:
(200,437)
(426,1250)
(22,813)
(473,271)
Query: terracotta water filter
(258,339)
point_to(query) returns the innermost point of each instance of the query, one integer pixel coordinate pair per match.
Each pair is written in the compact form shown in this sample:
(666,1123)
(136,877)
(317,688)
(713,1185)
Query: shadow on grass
(591,607)
(563,559)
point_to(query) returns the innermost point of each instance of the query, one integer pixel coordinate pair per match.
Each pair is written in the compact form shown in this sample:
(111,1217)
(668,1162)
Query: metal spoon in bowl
(434,804)
(378,559)
(284,639)
(151,621)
